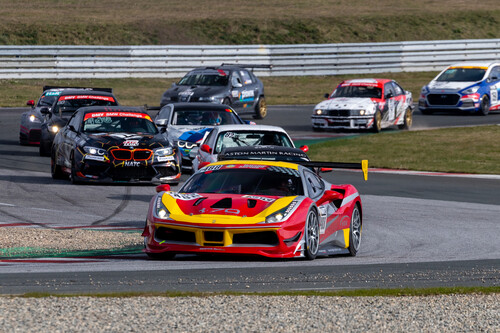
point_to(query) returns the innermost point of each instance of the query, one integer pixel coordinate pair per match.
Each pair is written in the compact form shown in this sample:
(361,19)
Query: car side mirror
(162,188)
(304,148)
(329,196)
(161,122)
(389,95)
(327,95)
(206,148)
(30,103)
(237,85)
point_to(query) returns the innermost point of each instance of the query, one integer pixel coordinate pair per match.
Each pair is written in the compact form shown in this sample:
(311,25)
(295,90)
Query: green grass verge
(396,292)
(463,150)
(40,252)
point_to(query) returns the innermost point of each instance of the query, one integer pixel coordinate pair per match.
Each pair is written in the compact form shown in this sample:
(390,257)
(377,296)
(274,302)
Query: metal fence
(172,61)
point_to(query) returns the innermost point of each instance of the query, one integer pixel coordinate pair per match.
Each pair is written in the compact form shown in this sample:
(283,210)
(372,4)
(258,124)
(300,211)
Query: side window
(75,120)
(236,79)
(389,90)
(209,138)
(165,112)
(315,187)
(398,89)
(246,77)
(495,73)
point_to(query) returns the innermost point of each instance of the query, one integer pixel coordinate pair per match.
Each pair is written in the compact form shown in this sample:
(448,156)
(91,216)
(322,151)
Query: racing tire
(408,120)
(355,231)
(484,109)
(43,149)
(73,177)
(312,235)
(55,169)
(377,122)
(261,108)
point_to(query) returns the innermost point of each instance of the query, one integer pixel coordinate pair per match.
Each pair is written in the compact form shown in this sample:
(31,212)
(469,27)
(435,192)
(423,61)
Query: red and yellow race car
(269,208)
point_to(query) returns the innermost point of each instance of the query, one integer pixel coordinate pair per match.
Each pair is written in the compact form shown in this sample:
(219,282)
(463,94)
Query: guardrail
(172,61)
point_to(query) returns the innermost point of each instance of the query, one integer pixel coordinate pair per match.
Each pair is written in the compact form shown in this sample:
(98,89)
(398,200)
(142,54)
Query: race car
(226,136)
(233,85)
(266,208)
(113,144)
(31,121)
(66,103)
(471,87)
(365,104)
(185,124)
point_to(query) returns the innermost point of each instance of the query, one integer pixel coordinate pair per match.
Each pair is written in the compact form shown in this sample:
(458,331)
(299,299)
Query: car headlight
(54,129)
(164,151)
(424,90)
(282,214)
(186,144)
(34,119)
(94,151)
(318,111)
(471,90)
(160,210)
(362,112)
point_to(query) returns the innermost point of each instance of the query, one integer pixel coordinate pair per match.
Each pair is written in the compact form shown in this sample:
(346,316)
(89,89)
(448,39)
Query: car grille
(136,154)
(443,99)
(339,113)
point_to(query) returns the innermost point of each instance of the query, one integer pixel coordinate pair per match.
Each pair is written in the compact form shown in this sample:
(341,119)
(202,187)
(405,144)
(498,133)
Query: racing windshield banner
(96,97)
(116,114)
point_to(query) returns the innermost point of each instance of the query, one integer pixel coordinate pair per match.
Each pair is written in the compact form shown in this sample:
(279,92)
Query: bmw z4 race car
(268,208)
(469,87)
(113,144)
(365,104)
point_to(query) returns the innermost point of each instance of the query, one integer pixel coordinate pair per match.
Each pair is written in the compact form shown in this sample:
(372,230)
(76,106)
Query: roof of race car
(253,162)
(199,105)
(474,64)
(363,82)
(66,92)
(128,109)
(246,127)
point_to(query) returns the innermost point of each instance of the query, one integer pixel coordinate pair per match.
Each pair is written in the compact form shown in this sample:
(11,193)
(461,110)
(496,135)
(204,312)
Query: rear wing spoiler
(337,165)
(110,90)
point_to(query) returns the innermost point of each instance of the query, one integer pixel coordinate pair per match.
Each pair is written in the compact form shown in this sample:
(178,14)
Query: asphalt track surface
(420,230)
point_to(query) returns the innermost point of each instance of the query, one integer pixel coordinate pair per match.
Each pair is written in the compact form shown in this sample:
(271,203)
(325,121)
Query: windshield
(108,123)
(251,138)
(357,91)
(241,180)
(66,105)
(201,79)
(462,75)
(47,100)
(204,117)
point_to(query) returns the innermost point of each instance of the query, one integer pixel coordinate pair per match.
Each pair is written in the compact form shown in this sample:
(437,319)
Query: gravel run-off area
(222,313)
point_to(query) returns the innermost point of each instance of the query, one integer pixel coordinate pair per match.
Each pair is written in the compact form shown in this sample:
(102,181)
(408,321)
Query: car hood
(195,91)
(126,140)
(222,208)
(347,103)
(187,133)
(449,86)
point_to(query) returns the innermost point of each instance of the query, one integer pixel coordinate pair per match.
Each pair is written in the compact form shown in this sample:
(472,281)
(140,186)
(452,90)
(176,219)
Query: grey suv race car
(233,85)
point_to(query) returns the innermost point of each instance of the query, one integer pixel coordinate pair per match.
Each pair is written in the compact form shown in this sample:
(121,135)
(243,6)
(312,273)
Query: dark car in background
(233,85)
(113,144)
(67,102)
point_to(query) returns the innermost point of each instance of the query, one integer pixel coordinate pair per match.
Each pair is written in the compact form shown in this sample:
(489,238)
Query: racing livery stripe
(348,199)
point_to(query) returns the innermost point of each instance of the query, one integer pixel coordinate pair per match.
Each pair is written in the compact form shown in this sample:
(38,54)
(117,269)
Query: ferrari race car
(269,208)
(113,144)
(233,85)
(365,104)
(470,87)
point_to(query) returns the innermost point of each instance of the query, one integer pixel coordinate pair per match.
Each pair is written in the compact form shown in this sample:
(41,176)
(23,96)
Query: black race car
(66,103)
(113,144)
(232,85)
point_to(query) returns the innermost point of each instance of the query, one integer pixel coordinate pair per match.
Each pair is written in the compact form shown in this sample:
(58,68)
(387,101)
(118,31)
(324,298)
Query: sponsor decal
(186,93)
(96,97)
(184,196)
(234,93)
(165,158)
(131,143)
(226,211)
(246,95)
(132,164)
(252,166)
(256,197)
(116,114)
(212,167)
(53,93)
(95,158)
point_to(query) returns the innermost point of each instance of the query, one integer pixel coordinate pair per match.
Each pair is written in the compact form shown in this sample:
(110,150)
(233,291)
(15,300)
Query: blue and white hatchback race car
(468,86)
